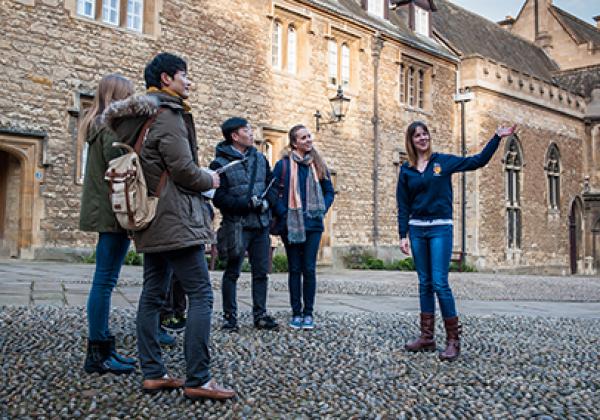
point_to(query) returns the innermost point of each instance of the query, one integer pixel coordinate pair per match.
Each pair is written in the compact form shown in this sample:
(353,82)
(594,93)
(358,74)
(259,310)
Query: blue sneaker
(164,338)
(308,323)
(296,322)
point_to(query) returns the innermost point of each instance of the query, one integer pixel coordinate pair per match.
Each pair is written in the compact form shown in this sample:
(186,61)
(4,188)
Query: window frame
(292,50)
(421,21)
(376,8)
(80,8)
(332,62)
(108,9)
(552,168)
(145,23)
(277,45)
(513,168)
(130,16)
(345,65)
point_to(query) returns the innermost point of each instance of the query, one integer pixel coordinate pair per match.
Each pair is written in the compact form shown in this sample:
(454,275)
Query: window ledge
(421,111)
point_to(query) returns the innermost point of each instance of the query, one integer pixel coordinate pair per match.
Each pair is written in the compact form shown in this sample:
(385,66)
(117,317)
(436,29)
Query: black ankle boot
(99,360)
(117,356)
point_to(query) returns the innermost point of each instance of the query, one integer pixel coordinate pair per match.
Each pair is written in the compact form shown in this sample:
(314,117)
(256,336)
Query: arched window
(411,86)
(276,46)
(291,50)
(345,65)
(513,165)
(332,60)
(553,173)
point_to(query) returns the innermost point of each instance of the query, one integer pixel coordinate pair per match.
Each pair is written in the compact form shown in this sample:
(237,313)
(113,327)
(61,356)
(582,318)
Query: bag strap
(282,177)
(140,142)
(144,131)
(252,176)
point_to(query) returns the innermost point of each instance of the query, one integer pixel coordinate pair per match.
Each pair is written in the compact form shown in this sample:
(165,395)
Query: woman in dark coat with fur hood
(97,216)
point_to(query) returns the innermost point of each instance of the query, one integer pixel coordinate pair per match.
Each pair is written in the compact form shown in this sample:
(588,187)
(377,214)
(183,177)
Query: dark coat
(232,195)
(182,216)
(281,207)
(96,213)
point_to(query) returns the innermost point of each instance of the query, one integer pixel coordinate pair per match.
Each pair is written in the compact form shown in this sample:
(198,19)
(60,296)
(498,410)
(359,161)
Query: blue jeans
(110,253)
(258,244)
(189,266)
(302,272)
(432,249)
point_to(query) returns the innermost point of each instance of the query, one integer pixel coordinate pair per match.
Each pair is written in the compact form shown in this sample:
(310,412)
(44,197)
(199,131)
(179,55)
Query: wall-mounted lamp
(339,107)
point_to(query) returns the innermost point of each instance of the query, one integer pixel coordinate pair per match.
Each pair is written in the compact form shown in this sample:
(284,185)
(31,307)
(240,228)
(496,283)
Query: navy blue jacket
(281,207)
(428,195)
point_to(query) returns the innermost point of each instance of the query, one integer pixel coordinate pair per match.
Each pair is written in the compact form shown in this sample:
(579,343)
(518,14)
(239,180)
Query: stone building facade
(277,62)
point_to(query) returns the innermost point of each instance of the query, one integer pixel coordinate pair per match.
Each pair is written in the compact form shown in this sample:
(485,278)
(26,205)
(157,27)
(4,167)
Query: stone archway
(10,204)
(576,236)
(20,175)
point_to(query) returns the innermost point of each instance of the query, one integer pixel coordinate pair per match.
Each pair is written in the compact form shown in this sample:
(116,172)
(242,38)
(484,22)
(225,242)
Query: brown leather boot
(453,332)
(425,342)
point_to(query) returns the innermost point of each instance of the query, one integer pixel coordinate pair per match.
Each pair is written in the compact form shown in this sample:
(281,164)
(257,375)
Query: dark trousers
(189,265)
(175,301)
(257,242)
(302,273)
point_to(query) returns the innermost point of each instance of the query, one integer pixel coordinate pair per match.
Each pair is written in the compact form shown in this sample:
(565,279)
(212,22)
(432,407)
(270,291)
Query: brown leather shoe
(161,384)
(214,391)
(453,332)
(426,341)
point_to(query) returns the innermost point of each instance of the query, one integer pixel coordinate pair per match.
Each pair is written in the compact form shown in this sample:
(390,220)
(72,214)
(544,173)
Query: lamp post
(339,106)
(462,97)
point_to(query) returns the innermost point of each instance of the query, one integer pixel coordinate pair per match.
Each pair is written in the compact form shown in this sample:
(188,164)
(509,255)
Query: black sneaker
(230,324)
(266,322)
(174,323)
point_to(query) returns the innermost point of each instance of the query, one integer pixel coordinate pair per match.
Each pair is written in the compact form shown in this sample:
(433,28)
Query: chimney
(597,19)
(507,23)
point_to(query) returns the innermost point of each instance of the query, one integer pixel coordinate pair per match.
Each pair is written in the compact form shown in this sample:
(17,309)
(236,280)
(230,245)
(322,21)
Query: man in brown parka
(181,228)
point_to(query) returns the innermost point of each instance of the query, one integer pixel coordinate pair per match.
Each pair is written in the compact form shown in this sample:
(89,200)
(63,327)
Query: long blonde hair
(317,159)
(112,87)
(410,147)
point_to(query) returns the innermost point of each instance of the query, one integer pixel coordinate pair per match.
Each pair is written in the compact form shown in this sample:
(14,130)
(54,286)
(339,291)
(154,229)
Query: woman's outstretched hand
(404,245)
(506,131)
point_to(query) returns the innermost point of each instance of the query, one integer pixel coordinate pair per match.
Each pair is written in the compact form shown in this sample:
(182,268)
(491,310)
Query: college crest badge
(437,169)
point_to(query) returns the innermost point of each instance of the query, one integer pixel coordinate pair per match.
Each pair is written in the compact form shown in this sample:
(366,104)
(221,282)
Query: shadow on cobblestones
(350,366)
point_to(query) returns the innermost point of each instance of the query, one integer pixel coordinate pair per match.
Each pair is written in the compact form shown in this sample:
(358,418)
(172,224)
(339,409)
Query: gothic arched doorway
(576,236)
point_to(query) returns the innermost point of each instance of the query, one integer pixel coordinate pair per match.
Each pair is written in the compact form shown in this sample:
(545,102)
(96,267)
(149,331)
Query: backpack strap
(140,142)
(282,177)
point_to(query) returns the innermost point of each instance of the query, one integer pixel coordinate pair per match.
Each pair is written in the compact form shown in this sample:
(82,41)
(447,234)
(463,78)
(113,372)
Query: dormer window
(421,21)
(376,7)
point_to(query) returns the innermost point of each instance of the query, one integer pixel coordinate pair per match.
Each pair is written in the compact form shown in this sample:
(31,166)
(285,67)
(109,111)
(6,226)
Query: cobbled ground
(350,366)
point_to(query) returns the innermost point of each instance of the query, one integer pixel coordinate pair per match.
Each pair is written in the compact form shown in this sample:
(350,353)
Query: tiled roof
(580,81)
(470,34)
(395,27)
(581,31)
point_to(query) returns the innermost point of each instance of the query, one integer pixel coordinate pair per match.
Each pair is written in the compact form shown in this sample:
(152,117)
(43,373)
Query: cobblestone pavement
(516,365)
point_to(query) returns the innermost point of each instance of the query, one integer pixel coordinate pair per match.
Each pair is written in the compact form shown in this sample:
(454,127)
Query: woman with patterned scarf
(305,193)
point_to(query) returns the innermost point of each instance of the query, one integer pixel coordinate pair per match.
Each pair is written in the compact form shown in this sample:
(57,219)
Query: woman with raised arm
(97,216)
(424,198)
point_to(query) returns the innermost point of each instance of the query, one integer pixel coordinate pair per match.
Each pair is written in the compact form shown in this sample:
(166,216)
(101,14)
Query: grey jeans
(189,265)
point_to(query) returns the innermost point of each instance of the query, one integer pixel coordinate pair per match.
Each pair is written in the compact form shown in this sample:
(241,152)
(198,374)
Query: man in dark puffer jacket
(249,204)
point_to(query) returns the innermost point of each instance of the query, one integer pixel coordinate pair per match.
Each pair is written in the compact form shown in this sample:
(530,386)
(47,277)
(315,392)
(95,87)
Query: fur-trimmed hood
(127,117)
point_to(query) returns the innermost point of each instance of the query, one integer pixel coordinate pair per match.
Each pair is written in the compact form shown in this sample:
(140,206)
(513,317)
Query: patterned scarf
(315,204)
